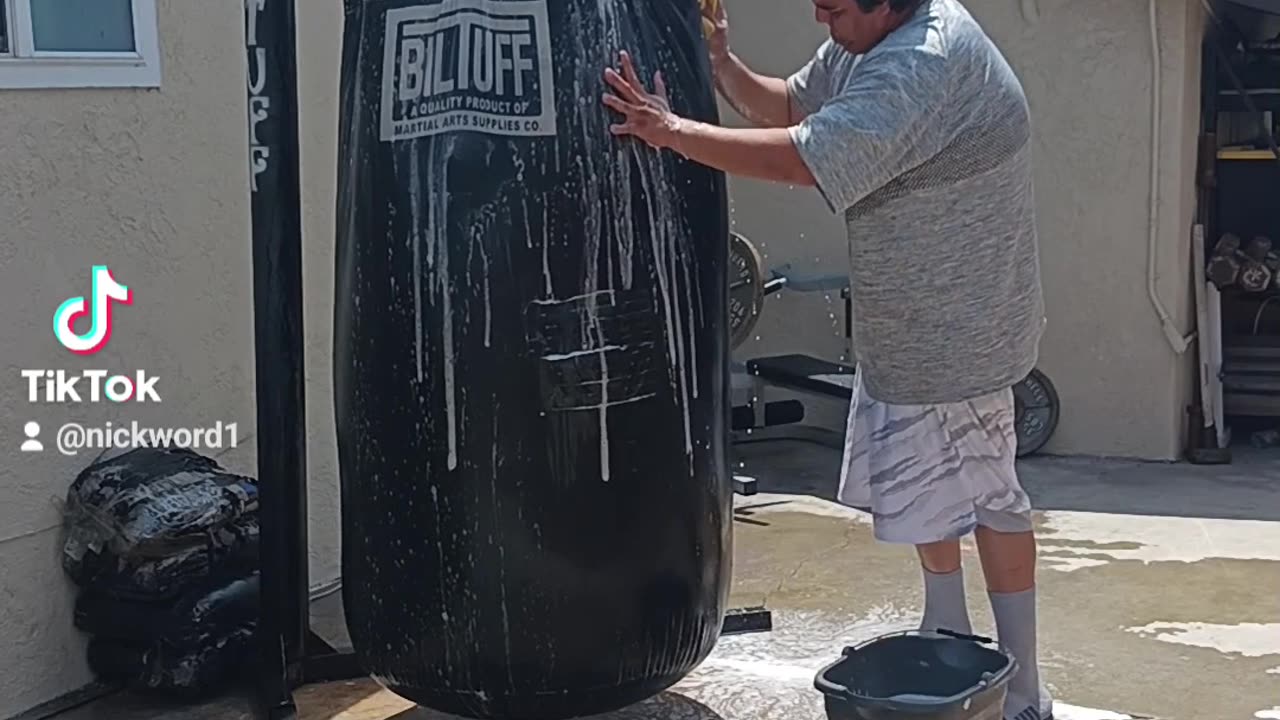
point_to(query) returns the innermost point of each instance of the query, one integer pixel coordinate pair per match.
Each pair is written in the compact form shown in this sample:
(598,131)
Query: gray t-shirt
(924,144)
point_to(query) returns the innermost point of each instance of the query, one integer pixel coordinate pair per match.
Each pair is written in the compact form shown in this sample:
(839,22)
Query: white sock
(1016,625)
(944,602)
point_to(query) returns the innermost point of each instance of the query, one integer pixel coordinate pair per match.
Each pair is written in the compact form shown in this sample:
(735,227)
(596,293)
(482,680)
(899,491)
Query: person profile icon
(31,444)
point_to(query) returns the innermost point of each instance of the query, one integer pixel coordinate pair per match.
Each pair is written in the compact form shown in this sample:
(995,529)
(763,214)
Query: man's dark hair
(894,5)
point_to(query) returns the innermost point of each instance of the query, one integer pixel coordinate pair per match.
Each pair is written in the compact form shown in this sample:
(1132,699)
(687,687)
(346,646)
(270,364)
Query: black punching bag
(531,358)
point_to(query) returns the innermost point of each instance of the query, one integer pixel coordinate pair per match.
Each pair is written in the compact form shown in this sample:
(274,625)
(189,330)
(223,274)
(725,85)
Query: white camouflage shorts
(933,472)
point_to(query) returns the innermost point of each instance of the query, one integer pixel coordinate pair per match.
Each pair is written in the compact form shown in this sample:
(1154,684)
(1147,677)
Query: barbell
(748,286)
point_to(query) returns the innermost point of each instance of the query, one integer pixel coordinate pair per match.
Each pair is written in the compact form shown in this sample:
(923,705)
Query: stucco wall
(153,184)
(318,63)
(1086,68)
(1087,71)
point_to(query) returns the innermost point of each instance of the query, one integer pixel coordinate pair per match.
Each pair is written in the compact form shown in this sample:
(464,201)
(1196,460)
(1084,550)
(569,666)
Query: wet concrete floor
(1159,597)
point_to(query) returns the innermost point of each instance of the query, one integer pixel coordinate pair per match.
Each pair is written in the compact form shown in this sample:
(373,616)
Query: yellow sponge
(709,8)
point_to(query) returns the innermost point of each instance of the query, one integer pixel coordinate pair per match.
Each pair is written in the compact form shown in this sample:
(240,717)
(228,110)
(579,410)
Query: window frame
(24,68)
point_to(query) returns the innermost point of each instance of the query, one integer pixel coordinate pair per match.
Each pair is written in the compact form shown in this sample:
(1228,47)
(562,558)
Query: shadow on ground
(665,706)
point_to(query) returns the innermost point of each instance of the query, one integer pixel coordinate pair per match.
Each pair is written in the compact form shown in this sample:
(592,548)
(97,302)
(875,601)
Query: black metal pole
(278,340)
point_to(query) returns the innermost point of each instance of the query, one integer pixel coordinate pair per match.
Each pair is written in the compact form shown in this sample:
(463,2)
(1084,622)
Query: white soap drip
(546,242)
(604,417)
(488,303)
(579,353)
(415,197)
(651,177)
(438,158)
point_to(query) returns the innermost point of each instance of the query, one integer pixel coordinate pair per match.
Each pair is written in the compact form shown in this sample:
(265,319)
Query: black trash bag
(229,551)
(211,608)
(187,673)
(148,504)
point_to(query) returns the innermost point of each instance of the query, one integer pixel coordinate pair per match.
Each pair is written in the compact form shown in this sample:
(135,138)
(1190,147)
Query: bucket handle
(962,636)
(987,678)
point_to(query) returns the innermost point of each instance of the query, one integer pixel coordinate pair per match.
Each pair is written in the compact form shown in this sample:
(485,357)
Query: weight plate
(1035,402)
(746,288)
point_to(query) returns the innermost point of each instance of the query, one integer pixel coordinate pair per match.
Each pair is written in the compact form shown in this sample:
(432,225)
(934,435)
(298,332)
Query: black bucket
(918,674)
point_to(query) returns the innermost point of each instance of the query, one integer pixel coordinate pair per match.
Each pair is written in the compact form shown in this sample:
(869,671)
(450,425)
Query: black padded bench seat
(805,373)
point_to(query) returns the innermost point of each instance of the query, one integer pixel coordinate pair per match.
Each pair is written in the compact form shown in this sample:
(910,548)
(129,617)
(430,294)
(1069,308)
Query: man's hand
(760,99)
(715,27)
(647,115)
(766,154)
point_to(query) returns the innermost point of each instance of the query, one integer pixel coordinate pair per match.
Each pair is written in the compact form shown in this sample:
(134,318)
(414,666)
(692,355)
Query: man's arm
(761,99)
(880,125)
(761,153)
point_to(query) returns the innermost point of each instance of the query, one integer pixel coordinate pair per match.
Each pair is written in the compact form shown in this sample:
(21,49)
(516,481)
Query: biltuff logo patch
(479,65)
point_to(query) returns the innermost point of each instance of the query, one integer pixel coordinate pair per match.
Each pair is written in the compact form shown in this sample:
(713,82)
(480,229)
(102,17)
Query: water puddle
(1075,540)
(1247,639)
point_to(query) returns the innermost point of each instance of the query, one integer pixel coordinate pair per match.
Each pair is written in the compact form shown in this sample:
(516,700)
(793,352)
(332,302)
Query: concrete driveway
(1159,587)
(1159,598)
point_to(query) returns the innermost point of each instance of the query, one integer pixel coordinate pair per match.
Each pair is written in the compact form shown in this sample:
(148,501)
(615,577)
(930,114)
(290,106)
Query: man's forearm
(761,153)
(760,99)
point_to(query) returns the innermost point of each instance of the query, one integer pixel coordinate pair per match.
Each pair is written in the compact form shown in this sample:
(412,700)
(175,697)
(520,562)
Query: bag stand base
(324,664)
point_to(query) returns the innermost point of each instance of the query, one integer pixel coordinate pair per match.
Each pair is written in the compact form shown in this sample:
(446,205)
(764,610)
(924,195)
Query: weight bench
(760,420)
(1035,397)
(781,420)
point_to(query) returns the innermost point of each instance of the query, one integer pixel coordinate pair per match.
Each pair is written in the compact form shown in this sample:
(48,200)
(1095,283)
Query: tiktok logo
(105,290)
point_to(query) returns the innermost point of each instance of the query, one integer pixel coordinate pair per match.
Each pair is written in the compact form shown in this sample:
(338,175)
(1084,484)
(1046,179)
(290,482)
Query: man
(910,123)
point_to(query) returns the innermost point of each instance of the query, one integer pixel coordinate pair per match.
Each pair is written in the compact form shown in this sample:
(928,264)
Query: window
(79,43)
